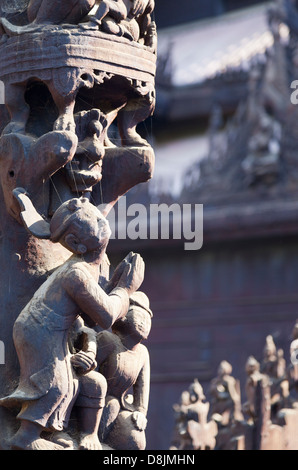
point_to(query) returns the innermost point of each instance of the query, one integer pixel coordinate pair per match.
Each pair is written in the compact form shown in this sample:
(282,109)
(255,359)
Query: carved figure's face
(85,170)
(92,229)
(80,227)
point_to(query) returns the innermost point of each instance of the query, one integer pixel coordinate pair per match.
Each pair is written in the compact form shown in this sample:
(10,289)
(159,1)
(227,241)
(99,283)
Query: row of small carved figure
(271,388)
(123,18)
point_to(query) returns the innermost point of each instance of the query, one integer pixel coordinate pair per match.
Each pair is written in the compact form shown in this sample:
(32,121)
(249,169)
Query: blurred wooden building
(226,136)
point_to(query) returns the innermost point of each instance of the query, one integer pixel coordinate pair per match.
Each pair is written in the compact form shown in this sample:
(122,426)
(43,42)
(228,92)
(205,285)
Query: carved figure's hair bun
(73,205)
(139,299)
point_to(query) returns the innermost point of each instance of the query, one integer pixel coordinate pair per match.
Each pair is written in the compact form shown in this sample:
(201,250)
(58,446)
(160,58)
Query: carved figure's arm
(52,151)
(141,392)
(142,386)
(105,346)
(101,308)
(84,359)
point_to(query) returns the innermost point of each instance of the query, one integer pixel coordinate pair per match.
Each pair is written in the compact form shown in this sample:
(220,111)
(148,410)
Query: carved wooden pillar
(67,80)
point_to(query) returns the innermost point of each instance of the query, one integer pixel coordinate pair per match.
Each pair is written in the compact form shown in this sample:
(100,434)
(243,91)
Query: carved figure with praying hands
(46,390)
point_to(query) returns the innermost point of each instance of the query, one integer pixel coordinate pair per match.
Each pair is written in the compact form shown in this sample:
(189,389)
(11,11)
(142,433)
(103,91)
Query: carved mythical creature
(47,12)
(50,12)
(127,18)
(57,12)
